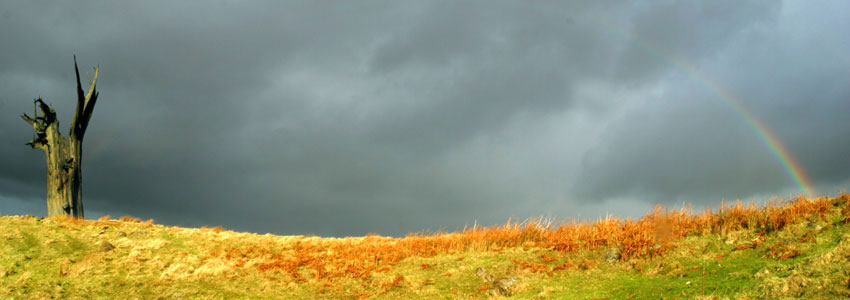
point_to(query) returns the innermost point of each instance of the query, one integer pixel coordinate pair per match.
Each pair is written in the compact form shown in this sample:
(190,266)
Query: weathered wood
(64,155)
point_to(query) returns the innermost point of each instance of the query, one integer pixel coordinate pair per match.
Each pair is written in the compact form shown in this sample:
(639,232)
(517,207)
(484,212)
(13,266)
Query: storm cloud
(347,118)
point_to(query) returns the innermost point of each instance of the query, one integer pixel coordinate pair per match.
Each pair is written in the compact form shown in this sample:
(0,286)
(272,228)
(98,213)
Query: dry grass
(364,267)
(650,236)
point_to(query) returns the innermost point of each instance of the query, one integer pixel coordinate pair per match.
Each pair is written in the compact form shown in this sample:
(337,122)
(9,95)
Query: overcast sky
(355,117)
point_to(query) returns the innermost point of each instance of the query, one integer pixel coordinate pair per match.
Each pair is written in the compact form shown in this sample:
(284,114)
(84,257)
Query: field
(798,248)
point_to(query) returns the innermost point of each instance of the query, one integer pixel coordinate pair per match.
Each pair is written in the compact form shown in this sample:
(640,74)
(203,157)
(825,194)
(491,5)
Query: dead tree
(64,155)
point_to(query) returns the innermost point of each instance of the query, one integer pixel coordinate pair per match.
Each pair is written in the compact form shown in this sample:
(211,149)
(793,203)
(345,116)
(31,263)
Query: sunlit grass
(786,249)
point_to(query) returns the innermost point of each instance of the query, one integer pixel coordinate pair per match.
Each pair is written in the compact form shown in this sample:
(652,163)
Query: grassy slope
(60,258)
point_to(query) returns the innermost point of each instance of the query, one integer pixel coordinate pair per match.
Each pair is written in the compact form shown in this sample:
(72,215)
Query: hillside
(787,249)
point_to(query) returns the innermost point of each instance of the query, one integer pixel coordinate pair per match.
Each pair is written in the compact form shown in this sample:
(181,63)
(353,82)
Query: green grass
(55,258)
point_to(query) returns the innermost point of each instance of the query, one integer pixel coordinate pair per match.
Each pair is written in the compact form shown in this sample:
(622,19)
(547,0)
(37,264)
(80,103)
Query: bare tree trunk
(64,155)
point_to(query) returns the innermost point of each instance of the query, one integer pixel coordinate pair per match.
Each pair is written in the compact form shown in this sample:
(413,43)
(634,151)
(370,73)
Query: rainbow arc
(767,137)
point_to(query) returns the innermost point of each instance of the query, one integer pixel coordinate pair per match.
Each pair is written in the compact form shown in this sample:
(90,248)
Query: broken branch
(29,120)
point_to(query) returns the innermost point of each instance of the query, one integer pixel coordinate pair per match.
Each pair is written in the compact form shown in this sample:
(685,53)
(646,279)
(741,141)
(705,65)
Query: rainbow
(777,149)
(792,167)
(780,153)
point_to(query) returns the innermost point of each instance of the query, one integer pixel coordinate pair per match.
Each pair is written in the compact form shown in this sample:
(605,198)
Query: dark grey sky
(354,117)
